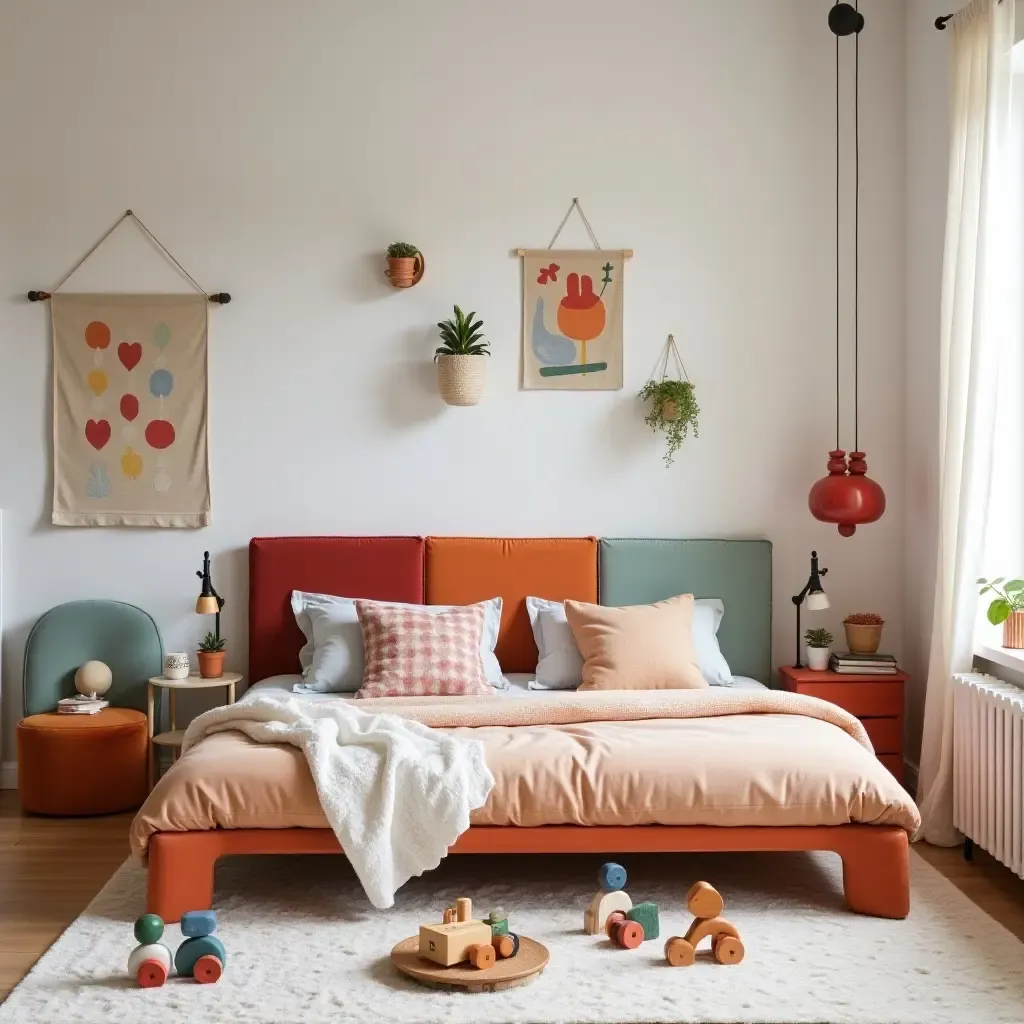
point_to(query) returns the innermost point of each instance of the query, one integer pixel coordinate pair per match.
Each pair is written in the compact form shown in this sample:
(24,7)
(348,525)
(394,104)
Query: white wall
(277,148)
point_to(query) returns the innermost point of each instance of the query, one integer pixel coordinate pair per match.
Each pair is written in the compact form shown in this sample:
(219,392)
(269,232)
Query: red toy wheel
(615,918)
(151,974)
(207,970)
(629,934)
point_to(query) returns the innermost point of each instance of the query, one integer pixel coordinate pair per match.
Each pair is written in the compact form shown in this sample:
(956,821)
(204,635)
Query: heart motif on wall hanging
(129,407)
(129,352)
(97,433)
(159,434)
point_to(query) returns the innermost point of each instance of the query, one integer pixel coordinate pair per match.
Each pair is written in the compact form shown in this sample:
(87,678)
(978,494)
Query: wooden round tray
(520,969)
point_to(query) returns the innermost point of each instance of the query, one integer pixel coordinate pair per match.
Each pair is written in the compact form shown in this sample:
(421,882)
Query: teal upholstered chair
(123,636)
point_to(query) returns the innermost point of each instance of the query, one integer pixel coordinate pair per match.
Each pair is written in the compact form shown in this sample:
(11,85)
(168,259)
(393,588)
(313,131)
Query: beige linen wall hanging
(572,315)
(130,405)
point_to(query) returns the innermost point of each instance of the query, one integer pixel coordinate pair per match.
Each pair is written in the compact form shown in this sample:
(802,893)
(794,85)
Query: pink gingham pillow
(410,652)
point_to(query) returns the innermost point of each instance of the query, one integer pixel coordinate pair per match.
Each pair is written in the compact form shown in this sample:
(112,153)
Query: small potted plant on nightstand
(1007,607)
(819,647)
(460,360)
(405,264)
(211,656)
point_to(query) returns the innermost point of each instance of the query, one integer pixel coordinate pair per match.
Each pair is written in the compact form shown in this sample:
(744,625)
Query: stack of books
(81,705)
(848,663)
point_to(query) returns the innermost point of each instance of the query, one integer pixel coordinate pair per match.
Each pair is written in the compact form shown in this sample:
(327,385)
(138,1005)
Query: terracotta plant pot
(817,658)
(863,639)
(670,410)
(211,664)
(460,379)
(405,271)
(1013,631)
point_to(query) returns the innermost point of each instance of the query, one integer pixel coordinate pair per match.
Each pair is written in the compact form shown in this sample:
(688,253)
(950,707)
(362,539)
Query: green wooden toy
(191,951)
(498,921)
(148,929)
(645,914)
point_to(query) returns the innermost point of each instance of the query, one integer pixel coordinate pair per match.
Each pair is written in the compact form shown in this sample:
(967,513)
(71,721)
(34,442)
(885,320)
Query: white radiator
(988,766)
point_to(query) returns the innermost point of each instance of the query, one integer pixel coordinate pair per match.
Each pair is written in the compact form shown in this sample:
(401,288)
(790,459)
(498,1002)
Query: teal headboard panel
(737,571)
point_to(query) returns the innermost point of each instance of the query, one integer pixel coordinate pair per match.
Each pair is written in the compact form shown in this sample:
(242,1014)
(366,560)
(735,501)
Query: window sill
(1005,657)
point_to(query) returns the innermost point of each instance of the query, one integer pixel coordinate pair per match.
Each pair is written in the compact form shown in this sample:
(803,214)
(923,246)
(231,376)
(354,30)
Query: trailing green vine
(674,409)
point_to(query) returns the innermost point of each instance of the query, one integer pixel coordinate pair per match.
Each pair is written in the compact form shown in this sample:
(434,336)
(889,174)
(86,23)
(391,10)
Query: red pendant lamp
(848,496)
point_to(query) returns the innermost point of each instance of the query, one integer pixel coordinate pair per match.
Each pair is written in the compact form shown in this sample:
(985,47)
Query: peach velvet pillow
(639,647)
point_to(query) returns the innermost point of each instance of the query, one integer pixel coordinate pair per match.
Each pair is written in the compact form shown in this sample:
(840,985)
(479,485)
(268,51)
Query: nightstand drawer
(886,734)
(860,699)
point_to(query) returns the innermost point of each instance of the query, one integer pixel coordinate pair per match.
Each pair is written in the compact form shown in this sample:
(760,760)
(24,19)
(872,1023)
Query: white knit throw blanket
(397,794)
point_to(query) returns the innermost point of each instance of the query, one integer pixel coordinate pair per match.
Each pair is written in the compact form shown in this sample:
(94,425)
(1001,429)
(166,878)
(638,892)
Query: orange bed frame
(876,875)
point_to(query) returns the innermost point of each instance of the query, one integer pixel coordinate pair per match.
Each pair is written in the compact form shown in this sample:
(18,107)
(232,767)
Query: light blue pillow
(332,658)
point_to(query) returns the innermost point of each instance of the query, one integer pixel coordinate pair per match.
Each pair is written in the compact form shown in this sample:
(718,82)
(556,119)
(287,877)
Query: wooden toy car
(458,938)
(706,904)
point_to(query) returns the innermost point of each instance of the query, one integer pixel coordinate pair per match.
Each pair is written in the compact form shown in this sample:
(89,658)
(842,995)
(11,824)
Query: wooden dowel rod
(625,253)
(222,297)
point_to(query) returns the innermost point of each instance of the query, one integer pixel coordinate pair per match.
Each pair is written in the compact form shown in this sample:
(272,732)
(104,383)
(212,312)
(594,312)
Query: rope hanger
(575,205)
(39,296)
(671,349)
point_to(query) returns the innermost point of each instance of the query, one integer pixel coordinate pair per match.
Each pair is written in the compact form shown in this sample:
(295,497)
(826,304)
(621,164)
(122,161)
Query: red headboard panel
(380,568)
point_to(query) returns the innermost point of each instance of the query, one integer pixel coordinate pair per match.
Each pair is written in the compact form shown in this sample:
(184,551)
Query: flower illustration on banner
(548,273)
(161,383)
(131,463)
(97,335)
(99,483)
(97,381)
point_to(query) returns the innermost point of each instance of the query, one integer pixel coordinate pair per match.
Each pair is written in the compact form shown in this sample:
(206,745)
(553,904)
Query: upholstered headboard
(737,571)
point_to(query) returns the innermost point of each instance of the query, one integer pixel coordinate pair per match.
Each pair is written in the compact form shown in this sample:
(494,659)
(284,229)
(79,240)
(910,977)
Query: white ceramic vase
(817,658)
(176,665)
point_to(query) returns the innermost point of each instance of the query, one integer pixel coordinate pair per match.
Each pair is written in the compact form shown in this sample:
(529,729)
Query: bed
(574,772)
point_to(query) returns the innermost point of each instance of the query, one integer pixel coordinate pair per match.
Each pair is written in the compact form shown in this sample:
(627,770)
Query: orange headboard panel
(463,570)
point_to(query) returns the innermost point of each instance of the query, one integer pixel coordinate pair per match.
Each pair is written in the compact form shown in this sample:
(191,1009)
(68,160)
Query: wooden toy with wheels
(706,905)
(610,898)
(202,955)
(150,962)
(453,941)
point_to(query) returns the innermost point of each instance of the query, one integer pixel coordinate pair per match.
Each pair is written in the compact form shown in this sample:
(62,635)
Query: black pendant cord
(856,235)
(837,243)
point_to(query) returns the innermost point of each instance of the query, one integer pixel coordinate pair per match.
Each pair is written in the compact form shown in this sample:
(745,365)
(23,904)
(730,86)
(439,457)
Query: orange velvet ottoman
(83,764)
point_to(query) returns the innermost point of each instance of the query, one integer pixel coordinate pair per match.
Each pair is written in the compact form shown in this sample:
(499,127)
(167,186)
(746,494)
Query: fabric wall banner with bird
(130,410)
(572,320)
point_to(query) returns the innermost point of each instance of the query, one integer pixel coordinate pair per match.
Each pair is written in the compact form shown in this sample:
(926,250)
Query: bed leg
(876,872)
(180,874)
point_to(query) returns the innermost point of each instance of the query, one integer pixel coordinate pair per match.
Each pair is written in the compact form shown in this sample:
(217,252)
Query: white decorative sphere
(93,677)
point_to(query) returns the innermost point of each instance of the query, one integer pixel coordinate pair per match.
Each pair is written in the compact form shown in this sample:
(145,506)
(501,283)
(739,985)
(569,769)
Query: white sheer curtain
(977,321)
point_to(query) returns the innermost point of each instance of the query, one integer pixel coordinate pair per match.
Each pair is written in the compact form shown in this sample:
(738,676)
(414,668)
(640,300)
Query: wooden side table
(877,700)
(173,737)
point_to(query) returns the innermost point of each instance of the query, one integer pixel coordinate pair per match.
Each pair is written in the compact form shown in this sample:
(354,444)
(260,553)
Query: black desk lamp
(209,601)
(817,599)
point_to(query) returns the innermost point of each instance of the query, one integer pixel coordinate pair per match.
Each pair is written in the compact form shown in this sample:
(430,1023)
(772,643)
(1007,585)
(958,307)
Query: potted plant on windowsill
(461,360)
(673,409)
(819,647)
(211,656)
(1007,608)
(863,632)
(405,264)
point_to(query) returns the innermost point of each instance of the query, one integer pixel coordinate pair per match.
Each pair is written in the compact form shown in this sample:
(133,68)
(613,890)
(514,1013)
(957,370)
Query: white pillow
(560,666)
(332,657)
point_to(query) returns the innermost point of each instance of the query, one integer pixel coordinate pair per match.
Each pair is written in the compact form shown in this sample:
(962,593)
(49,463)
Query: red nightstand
(876,700)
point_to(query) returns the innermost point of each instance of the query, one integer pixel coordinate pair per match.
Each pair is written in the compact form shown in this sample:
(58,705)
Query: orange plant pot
(1013,631)
(211,664)
(405,271)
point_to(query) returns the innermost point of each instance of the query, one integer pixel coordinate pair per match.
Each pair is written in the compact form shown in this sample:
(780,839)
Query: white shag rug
(304,946)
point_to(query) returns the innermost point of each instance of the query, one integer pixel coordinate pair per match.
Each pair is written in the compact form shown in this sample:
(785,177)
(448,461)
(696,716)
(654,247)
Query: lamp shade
(846,500)
(206,604)
(817,601)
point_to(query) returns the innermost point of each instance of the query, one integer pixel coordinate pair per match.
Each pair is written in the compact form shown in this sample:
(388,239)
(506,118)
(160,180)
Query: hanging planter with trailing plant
(405,265)
(674,407)
(461,360)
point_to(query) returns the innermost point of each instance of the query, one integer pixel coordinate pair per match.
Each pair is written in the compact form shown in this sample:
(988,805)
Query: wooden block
(611,876)
(647,915)
(601,906)
(448,944)
(679,953)
(191,950)
(449,916)
(197,923)
(207,970)
(149,929)
(150,964)
(615,918)
(628,934)
(497,920)
(482,956)
(463,909)
(703,900)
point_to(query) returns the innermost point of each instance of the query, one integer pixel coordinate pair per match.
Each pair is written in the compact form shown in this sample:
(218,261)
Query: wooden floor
(50,868)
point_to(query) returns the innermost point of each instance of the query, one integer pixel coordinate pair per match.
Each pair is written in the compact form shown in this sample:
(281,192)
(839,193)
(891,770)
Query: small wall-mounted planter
(405,265)
(460,379)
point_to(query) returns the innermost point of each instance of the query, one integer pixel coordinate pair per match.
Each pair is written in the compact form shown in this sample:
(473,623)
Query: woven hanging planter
(460,379)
